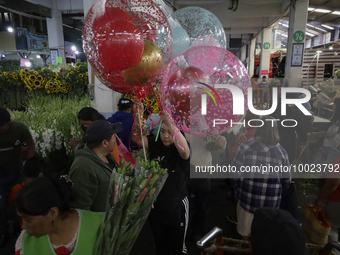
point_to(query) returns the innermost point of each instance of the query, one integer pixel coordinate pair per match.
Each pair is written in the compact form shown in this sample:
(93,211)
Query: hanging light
(10,29)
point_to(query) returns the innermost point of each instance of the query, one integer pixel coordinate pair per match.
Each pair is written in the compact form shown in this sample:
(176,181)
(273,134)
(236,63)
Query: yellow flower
(19,84)
(46,86)
(81,76)
(5,73)
(28,87)
(48,92)
(11,75)
(54,90)
(39,77)
(32,77)
(34,87)
(8,80)
(55,83)
(37,83)
(15,77)
(36,73)
(54,77)
(71,72)
(43,69)
(26,70)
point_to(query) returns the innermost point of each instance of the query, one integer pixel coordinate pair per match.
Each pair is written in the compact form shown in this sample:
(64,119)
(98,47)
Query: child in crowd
(170,215)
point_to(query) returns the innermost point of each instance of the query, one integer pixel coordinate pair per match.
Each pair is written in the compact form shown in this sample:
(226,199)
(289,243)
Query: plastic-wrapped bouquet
(131,195)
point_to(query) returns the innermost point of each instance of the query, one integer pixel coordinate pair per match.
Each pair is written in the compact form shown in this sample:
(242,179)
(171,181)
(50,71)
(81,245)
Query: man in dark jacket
(93,164)
(124,116)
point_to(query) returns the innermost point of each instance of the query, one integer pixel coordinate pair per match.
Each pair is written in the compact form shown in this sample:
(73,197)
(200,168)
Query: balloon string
(159,129)
(159,104)
(179,138)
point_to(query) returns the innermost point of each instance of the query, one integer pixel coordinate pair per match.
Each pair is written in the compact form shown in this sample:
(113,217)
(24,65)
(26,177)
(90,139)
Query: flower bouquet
(131,195)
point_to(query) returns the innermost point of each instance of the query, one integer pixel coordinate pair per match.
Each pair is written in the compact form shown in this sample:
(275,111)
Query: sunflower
(8,80)
(55,90)
(46,86)
(55,83)
(28,87)
(81,76)
(37,83)
(11,75)
(54,77)
(26,70)
(36,73)
(5,73)
(48,92)
(32,77)
(34,87)
(40,78)
(15,77)
(71,72)
(65,91)
(19,84)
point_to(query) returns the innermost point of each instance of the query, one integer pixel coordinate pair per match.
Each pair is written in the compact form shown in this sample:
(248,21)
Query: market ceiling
(249,17)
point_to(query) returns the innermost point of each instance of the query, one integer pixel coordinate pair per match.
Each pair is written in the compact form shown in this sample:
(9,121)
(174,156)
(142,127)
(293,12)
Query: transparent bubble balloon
(200,24)
(128,43)
(210,77)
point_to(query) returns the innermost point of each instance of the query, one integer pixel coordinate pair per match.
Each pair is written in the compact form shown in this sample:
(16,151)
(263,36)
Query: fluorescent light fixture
(27,63)
(38,56)
(311,9)
(10,29)
(284,35)
(310,34)
(316,28)
(285,25)
(3,56)
(322,10)
(73,48)
(332,28)
(319,51)
(330,47)
(336,13)
(76,52)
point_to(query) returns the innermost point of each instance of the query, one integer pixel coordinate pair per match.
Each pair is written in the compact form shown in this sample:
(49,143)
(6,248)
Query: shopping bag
(124,153)
(315,225)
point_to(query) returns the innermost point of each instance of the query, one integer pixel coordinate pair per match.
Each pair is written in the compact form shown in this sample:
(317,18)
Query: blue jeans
(7,181)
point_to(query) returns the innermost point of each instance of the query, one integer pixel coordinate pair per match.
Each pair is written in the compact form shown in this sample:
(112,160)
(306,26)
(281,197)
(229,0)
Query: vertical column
(296,34)
(105,99)
(55,32)
(265,52)
(336,35)
(252,56)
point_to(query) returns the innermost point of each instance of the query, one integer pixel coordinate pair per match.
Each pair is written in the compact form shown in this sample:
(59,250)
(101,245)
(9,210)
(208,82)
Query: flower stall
(19,84)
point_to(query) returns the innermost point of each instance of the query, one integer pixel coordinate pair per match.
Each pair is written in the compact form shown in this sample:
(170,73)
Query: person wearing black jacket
(289,142)
(170,216)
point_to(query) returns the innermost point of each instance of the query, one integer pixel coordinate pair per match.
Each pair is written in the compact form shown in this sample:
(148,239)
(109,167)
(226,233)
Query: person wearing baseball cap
(124,116)
(13,135)
(93,165)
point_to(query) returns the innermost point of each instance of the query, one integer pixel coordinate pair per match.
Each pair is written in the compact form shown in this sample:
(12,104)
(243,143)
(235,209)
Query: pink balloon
(177,92)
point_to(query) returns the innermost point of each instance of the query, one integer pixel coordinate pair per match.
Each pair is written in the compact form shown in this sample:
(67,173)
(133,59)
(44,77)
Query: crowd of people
(62,214)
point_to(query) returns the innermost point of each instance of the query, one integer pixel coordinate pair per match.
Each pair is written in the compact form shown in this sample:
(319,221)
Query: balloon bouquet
(132,46)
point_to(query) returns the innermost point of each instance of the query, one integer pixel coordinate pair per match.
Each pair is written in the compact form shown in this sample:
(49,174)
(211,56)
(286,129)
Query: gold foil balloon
(150,65)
